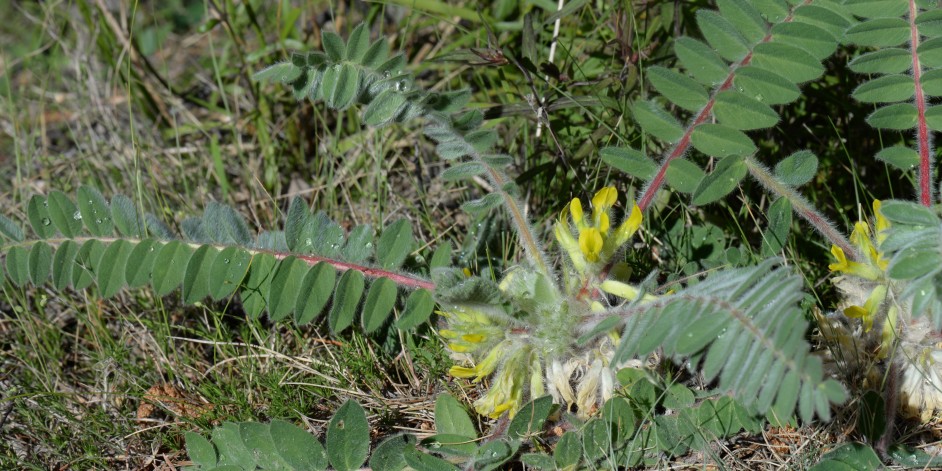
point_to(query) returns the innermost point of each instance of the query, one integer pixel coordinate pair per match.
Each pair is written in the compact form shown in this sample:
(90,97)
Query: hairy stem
(401,279)
(801,206)
(923,142)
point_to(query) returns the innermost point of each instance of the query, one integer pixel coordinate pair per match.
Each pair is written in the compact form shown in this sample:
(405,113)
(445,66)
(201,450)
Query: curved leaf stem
(401,279)
(800,205)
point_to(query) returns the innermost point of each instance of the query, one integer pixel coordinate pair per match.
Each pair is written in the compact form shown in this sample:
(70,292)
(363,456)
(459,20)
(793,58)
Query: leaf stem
(801,206)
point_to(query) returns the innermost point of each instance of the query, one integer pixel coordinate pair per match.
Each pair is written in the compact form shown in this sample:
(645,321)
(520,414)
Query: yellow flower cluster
(872,267)
(595,242)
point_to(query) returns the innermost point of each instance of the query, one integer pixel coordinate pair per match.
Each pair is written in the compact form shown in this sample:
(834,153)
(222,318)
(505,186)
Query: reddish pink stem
(398,278)
(922,129)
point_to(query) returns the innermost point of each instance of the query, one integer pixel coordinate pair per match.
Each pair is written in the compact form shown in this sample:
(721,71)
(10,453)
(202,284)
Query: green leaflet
(701,61)
(901,157)
(170,267)
(379,303)
(934,117)
(765,86)
(126,217)
(739,111)
(930,23)
(257,289)
(394,244)
(797,169)
(451,418)
(140,262)
(38,213)
(10,230)
(745,18)
(40,263)
(810,38)
(932,82)
(654,120)
(876,8)
(196,284)
(357,43)
(17,263)
(64,215)
(384,108)
(630,161)
(900,116)
(417,310)
(930,53)
(285,287)
(684,175)
(111,270)
(95,212)
(346,299)
(86,264)
(790,62)
(315,290)
(722,35)
(227,272)
(822,17)
(62,263)
(679,89)
(880,32)
(884,61)
(348,437)
(724,179)
(720,141)
(886,89)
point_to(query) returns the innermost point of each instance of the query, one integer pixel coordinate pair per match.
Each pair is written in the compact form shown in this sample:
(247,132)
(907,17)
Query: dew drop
(308,241)
(77,216)
(386,74)
(99,221)
(45,204)
(226,261)
(369,245)
(46,221)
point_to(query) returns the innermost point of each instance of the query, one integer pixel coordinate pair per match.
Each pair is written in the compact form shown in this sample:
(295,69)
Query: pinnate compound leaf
(659,123)
(384,108)
(722,35)
(96,214)
(40,263)
(790,62)
(739,111)
(901,157)
(884,61)
(797,169)
(720,141)
(316,288)
(765,86)
(886,89)
(701,61)
(348,437)
(724,179)
(378,304)
(417,310)
(346,300)
(452,419)
(630,161)
(679,89)
(37,211)
(684,175)
(297,448)
(880,32)
(200,450)
(394,244)
(899,116)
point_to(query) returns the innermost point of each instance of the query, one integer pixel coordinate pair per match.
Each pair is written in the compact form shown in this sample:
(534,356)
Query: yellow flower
(851,267)
(595,243)
(469,329)
(870,308)
(506,392)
